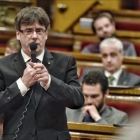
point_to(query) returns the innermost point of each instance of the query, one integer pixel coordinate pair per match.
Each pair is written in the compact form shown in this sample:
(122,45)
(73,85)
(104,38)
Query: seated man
(112,57)
(104,26)
(95,90)
(12,46)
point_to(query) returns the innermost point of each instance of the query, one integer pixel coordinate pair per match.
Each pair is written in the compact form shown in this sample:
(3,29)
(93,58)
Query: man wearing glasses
(33,96)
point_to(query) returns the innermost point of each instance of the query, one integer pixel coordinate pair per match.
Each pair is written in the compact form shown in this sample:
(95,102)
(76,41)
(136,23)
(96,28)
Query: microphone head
(33,46)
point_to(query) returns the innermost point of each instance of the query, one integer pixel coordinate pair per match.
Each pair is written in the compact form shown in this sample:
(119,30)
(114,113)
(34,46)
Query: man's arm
(68,92)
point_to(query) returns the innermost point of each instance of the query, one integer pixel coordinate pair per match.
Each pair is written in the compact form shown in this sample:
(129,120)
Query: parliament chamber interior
(69,35)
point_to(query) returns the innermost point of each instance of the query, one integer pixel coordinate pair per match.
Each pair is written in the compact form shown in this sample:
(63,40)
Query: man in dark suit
(95,90)
(112,57)
(33,96)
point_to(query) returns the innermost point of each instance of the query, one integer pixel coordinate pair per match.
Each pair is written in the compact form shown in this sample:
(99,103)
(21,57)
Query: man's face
(93,95)
(104,28)
(26,39)
(9,51)
(111,58)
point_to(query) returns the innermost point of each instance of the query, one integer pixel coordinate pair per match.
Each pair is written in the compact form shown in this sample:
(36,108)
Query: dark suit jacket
(110,115)
(47,117)
(126,79)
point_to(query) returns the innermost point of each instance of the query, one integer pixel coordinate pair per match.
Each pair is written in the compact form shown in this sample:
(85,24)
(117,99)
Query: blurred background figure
(12,46)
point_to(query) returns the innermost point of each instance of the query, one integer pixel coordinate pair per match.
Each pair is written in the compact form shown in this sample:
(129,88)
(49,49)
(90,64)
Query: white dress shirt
(116,76)
(21,86)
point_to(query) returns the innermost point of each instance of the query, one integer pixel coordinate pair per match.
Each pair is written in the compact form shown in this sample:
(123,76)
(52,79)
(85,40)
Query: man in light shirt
(112,57)
(33,96)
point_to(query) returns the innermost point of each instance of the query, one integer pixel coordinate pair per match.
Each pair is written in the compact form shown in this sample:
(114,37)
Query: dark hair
(107,13)
(96,77)
(29,15)
(101,14)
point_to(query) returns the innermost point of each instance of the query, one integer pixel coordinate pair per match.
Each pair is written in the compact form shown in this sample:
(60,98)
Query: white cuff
(23,89)
(47,85)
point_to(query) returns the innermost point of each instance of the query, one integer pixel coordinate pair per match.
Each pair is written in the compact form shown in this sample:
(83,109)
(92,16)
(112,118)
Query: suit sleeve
(8,96)
(68,92)
(122,119)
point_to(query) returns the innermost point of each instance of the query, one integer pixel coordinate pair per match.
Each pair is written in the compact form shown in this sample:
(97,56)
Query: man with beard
(95,90)
(104,26)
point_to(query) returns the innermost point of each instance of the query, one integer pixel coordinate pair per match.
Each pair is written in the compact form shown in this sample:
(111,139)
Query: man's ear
(46,35)
(107,93)
(17,35)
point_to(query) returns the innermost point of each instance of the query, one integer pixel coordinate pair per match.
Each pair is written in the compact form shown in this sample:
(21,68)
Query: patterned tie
(111,78)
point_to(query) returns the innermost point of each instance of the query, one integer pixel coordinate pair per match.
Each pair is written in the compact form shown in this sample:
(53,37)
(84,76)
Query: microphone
(33,47)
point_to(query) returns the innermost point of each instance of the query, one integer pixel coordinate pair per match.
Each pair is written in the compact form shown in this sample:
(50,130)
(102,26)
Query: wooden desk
(94,61)
(89,131)
(124,95)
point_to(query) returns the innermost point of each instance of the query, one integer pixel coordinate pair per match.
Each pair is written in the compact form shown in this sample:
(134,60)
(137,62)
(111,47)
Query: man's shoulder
(128,74)
(8,58)
(61,55)
(115,111)
(87,70)
(92,48)
(127,44)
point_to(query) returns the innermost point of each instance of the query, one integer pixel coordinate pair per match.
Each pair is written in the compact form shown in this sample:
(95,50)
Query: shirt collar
(116,75)
(26,57)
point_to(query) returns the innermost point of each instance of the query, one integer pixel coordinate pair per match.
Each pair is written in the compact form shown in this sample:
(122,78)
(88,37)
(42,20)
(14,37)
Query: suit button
(8,98)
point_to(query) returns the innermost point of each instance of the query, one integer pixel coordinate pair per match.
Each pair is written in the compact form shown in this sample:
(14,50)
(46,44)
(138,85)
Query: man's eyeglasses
(30,31)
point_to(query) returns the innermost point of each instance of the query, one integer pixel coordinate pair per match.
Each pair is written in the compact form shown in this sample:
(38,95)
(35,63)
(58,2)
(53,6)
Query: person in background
(34,95)
(104,27)
(12,46)
(95,89)
(112,58)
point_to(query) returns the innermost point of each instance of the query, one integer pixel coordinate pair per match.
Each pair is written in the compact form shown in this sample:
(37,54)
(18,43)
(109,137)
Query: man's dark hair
(96,77)
(29,15)
(101,14)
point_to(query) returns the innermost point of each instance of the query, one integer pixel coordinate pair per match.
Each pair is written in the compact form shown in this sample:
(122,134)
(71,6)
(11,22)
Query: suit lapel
(123,79)
(48,60)
(48,63)
(19,64)
(106,112)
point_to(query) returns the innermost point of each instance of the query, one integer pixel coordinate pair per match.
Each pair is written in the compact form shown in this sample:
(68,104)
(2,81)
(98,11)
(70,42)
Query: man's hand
(28,76)
(91,109)
(42,74)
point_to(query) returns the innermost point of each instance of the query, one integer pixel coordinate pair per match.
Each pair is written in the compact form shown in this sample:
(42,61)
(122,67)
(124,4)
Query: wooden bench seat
(90,131)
